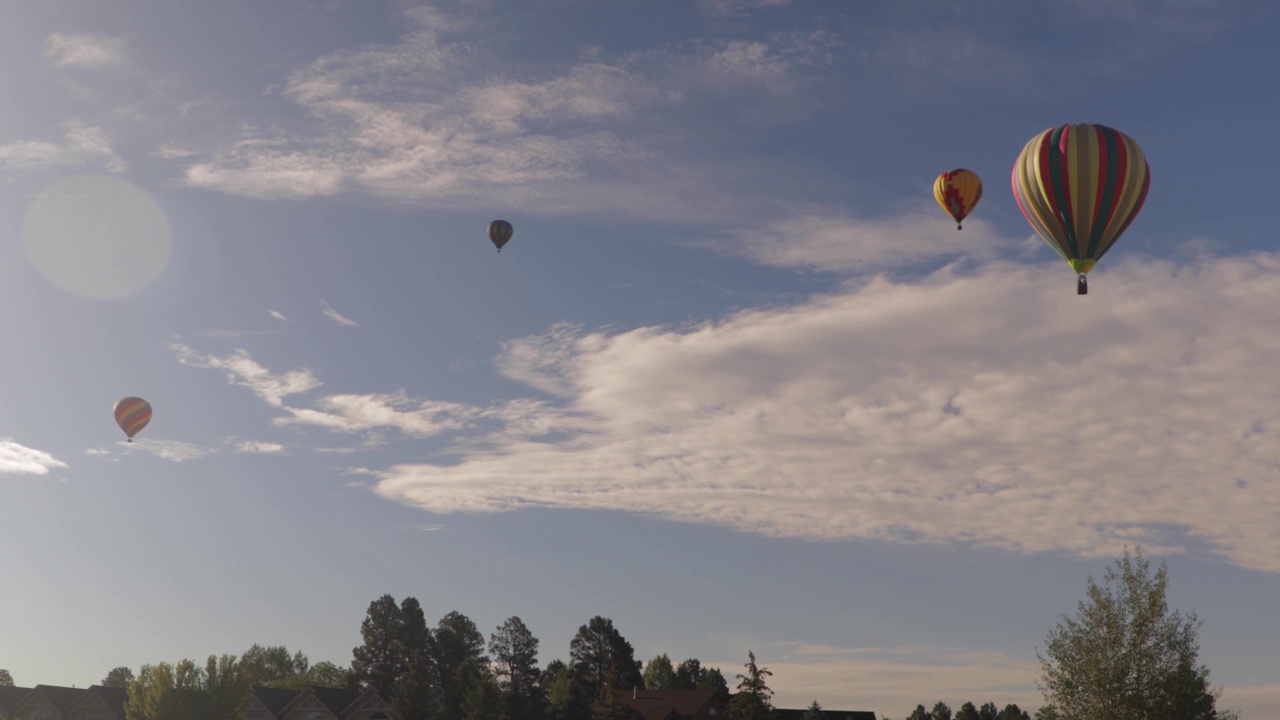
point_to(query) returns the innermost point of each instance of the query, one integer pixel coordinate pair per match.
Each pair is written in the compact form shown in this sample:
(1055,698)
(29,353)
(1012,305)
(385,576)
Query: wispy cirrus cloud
(898,410)
(738,7)
(81,145)
(336,316)
(243,370)
(278,315)
(18,459)
(435,118)
(174,450)
(259,447)
(84,51)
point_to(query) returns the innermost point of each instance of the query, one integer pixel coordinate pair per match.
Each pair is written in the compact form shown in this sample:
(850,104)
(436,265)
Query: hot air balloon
(500,232)
(1080,186)
(958,191)
(132,414)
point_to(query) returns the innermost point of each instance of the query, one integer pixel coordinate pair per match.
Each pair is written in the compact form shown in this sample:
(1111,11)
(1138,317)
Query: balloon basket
(1082,285)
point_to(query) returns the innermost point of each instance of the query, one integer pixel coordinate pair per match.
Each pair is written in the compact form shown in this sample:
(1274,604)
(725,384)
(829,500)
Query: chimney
(634,690)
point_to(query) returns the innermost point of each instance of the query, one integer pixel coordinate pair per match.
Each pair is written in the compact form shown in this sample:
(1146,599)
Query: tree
(988,711)
(968,712)
(379,662)
(919,714)
(941,711)
(1013,712)
(457,643)
(482,698)
(567,697)
(417,689)
(328,675)
(6,680)
(120,677)
(1125,656)
(275,667)
(659,674)
(689,674)
(515,664)
(814,712)
(598,647)
(714,679)
(185,691)
(754,699)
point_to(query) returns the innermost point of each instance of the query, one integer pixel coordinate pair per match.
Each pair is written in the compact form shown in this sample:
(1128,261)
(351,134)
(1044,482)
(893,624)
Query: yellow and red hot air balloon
(958,191)
(132,414)
(1080,186)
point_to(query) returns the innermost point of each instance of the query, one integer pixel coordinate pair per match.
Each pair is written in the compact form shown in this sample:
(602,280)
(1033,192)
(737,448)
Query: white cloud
(18,459)
(439,121)
(175,450)
(738,7)
(336,316)
(900,411)
(245,371)
(259,447)
(84,50)
(361,413)
(831,240)
(278,315)
(82,145)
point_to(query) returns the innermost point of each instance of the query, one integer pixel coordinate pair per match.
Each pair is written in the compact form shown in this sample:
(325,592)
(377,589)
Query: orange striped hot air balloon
(132,414)
(958,191)
(1080,186)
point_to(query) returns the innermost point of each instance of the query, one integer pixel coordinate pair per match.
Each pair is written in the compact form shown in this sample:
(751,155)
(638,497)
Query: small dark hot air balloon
(500,232)
(958,191)
(132,414)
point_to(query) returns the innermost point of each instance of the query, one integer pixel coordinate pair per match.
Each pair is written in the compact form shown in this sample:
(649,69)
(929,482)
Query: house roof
(781,714)
(11,696)
(112,697)
(658,704)
(273,699)
(59,697)
(336,699)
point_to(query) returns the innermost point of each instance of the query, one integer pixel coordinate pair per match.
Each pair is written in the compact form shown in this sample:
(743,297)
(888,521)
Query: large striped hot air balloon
(132,414)
(1080,186)
(958,191)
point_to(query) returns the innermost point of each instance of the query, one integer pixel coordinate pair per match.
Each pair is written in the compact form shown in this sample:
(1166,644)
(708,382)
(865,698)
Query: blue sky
(736,383)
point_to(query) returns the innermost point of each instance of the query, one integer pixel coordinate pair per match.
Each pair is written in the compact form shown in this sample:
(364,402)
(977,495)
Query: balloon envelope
(958,191)
(1080,186)
(500,231)
(132,414)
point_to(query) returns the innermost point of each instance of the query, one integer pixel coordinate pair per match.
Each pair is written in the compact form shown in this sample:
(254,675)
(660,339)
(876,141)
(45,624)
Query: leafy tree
(1125,656)
(1046,712)
(567,697)
(754,699)
(1013,712)
(417,689)
(941,711)
(224,689)
(457,643)
(483,698)
(598,647)
(715,679)
(275,667)
(988,711)
(814,712)
(968,712)
(328,675)
(612,704)
(185,691)
(6,680)
(120,677)
(380,662)
(659,673)
(920,714)
(515,663)
(689,674)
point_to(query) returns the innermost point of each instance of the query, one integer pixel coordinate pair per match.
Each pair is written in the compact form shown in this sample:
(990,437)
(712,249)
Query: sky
(736,383)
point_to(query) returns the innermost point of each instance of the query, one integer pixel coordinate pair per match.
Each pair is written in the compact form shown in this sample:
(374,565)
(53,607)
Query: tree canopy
(1125,655)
